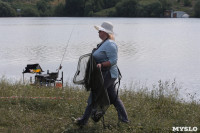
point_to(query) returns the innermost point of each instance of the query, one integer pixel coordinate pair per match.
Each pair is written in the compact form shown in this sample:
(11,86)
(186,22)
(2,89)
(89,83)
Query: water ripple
(127,49)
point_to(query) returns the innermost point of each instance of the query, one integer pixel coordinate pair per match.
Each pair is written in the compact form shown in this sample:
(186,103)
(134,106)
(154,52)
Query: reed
(26,108)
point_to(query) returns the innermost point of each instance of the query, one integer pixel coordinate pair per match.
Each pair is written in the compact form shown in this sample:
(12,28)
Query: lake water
(150,49)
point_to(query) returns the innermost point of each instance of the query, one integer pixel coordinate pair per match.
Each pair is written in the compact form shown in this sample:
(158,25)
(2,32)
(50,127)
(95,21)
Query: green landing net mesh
(90,76)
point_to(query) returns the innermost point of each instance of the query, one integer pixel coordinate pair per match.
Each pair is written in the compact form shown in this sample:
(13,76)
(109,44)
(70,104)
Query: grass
(149,111)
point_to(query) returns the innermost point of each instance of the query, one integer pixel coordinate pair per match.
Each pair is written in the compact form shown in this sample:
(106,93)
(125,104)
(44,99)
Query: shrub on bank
(29,12)
(6,10)
(197,9)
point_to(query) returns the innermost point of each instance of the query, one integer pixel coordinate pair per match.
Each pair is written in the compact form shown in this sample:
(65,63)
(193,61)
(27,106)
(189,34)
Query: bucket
(58,84)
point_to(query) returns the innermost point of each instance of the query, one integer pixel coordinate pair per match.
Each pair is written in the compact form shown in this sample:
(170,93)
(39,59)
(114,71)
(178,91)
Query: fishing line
(60,67)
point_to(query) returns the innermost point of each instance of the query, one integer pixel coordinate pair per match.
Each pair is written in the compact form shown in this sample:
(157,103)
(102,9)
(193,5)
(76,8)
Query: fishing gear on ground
(49,78)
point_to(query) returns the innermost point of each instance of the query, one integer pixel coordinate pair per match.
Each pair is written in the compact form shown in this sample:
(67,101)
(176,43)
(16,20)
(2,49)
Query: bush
(166,4)
(197,9)
(30,12)
(187,3)
(74,8)
(59,10)
(88,10)
(6,10)
(41,5)
(126,8)
(43,8)
(104,13)
(152,9)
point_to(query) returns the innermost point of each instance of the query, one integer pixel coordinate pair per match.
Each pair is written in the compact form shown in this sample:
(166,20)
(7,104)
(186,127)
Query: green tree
(126,8)
(43,8)
(7,0)
(166,4)
(154,9)
(30,12)
(59,10)
(89,8)
(187,3)
(150,9)
(110,3)
(74,8)
(41,5)
(98,5)
(197,9)
(6,10)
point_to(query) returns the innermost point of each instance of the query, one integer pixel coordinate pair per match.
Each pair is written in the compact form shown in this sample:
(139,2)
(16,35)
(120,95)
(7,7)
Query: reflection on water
(127,49)
(149,49)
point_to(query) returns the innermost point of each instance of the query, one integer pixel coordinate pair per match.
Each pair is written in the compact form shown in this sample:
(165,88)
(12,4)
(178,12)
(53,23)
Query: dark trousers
(114,99)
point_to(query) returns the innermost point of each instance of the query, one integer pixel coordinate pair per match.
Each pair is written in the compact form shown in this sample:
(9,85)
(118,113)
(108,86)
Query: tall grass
(26,108)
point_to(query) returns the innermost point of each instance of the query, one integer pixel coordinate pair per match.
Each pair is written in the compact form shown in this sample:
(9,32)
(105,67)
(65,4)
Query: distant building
(185,16)
(180,14)
(175,14)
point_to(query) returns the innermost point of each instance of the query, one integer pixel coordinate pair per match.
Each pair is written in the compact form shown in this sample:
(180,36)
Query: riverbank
(26,108)
(92,8)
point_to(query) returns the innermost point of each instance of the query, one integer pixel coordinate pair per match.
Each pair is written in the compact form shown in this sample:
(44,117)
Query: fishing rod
(52,76)
(60,67)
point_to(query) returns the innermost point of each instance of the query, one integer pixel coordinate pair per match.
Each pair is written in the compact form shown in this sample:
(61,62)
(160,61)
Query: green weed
(27,108)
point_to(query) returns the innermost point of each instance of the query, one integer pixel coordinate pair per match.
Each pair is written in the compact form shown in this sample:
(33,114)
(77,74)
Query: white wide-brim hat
(106,27)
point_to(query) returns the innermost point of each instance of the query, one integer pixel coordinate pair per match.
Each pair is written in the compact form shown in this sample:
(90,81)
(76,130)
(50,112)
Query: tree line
(91,8)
